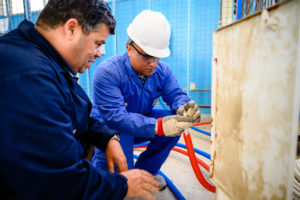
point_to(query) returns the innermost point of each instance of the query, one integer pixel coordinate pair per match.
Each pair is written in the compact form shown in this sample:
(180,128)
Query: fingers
(193,112)
(184,125)
(180,111)
(197,116)
(190,108)
(110,166)
(149,185)
(140,183)
(190,104)
(122,164)
(149,178)
(151,188)
(180,119)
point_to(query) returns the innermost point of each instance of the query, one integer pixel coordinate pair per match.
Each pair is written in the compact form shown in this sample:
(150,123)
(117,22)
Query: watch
(116,137)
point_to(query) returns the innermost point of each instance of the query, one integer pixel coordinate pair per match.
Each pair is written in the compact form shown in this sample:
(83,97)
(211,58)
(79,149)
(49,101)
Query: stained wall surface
(255,104)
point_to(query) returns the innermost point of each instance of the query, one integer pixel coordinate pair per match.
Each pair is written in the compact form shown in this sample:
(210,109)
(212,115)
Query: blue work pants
(152,158)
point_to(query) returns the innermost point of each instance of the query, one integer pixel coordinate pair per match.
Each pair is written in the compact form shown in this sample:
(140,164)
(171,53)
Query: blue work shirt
(124,103)
(44,113)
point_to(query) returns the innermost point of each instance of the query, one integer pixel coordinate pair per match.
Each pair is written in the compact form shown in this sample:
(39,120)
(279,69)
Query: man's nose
(98,53)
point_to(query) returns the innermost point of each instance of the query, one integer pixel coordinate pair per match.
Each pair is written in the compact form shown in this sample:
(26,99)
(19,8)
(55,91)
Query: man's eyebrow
(100,41)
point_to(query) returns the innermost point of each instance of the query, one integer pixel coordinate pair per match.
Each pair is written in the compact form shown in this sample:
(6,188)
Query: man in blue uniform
(126,88)
(44,118)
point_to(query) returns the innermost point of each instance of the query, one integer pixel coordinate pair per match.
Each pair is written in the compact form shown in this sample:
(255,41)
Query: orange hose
(203,164)
(192,157)
(201,123)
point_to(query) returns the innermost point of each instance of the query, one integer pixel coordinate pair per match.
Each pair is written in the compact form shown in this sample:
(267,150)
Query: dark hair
(89,14)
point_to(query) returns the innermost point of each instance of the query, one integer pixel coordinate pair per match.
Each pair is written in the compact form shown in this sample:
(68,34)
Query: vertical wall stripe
(115,36)
(188,48)
(27,9)
(8,15)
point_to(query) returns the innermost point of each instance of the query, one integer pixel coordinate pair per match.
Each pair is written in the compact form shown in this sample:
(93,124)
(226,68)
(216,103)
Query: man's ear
(71,28)
(129,50)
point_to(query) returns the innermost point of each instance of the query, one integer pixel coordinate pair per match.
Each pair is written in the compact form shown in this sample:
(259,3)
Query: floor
(179,170)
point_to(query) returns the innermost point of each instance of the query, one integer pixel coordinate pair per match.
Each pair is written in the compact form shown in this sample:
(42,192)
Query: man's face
(142,65)
(87,48)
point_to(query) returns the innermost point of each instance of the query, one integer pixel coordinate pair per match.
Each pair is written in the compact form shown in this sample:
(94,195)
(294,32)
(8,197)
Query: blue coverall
(44,117)
(125,105)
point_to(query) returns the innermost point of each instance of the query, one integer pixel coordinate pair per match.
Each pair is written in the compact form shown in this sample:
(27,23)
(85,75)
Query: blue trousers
(152,158)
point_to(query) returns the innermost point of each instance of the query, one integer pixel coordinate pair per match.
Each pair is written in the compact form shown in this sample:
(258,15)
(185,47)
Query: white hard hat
(151,31)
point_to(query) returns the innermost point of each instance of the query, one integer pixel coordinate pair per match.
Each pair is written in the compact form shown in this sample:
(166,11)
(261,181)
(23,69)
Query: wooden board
(255,104)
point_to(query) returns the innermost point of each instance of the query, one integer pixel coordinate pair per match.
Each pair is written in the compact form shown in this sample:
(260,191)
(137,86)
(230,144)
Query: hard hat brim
(158,53)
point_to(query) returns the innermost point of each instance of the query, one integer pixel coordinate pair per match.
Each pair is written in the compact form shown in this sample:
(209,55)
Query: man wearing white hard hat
(126,88)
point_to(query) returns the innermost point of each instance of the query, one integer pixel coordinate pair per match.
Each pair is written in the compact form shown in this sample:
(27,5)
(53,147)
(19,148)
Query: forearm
(133,124)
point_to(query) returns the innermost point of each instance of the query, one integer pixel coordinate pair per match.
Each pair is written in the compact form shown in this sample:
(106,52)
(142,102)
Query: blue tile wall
(192,24)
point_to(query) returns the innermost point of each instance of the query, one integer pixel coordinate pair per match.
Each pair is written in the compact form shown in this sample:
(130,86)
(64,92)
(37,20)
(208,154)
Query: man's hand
(140,184)
(191,111)
(115,155)
(172,125)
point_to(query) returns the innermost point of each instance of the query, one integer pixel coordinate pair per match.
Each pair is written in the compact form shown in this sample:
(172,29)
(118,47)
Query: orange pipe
(201,123)
(192,157)
(203,164)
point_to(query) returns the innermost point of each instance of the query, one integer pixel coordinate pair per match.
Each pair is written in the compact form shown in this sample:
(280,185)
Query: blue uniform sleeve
(172,94)
(40,157)
(108,99)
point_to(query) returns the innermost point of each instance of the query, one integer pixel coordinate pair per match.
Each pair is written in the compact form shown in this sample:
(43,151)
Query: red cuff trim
(160,130)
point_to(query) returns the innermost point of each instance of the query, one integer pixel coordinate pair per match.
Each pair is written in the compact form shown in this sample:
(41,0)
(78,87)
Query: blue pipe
(202,153)
(201,131)
(172,187)
(141,144)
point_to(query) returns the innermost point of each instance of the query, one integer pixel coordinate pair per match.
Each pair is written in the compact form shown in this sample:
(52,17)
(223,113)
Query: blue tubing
(202,153)
(172,187)
(201,131)
(141,144)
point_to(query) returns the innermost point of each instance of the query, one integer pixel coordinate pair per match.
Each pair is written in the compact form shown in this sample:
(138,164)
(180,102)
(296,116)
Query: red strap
(160,130)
